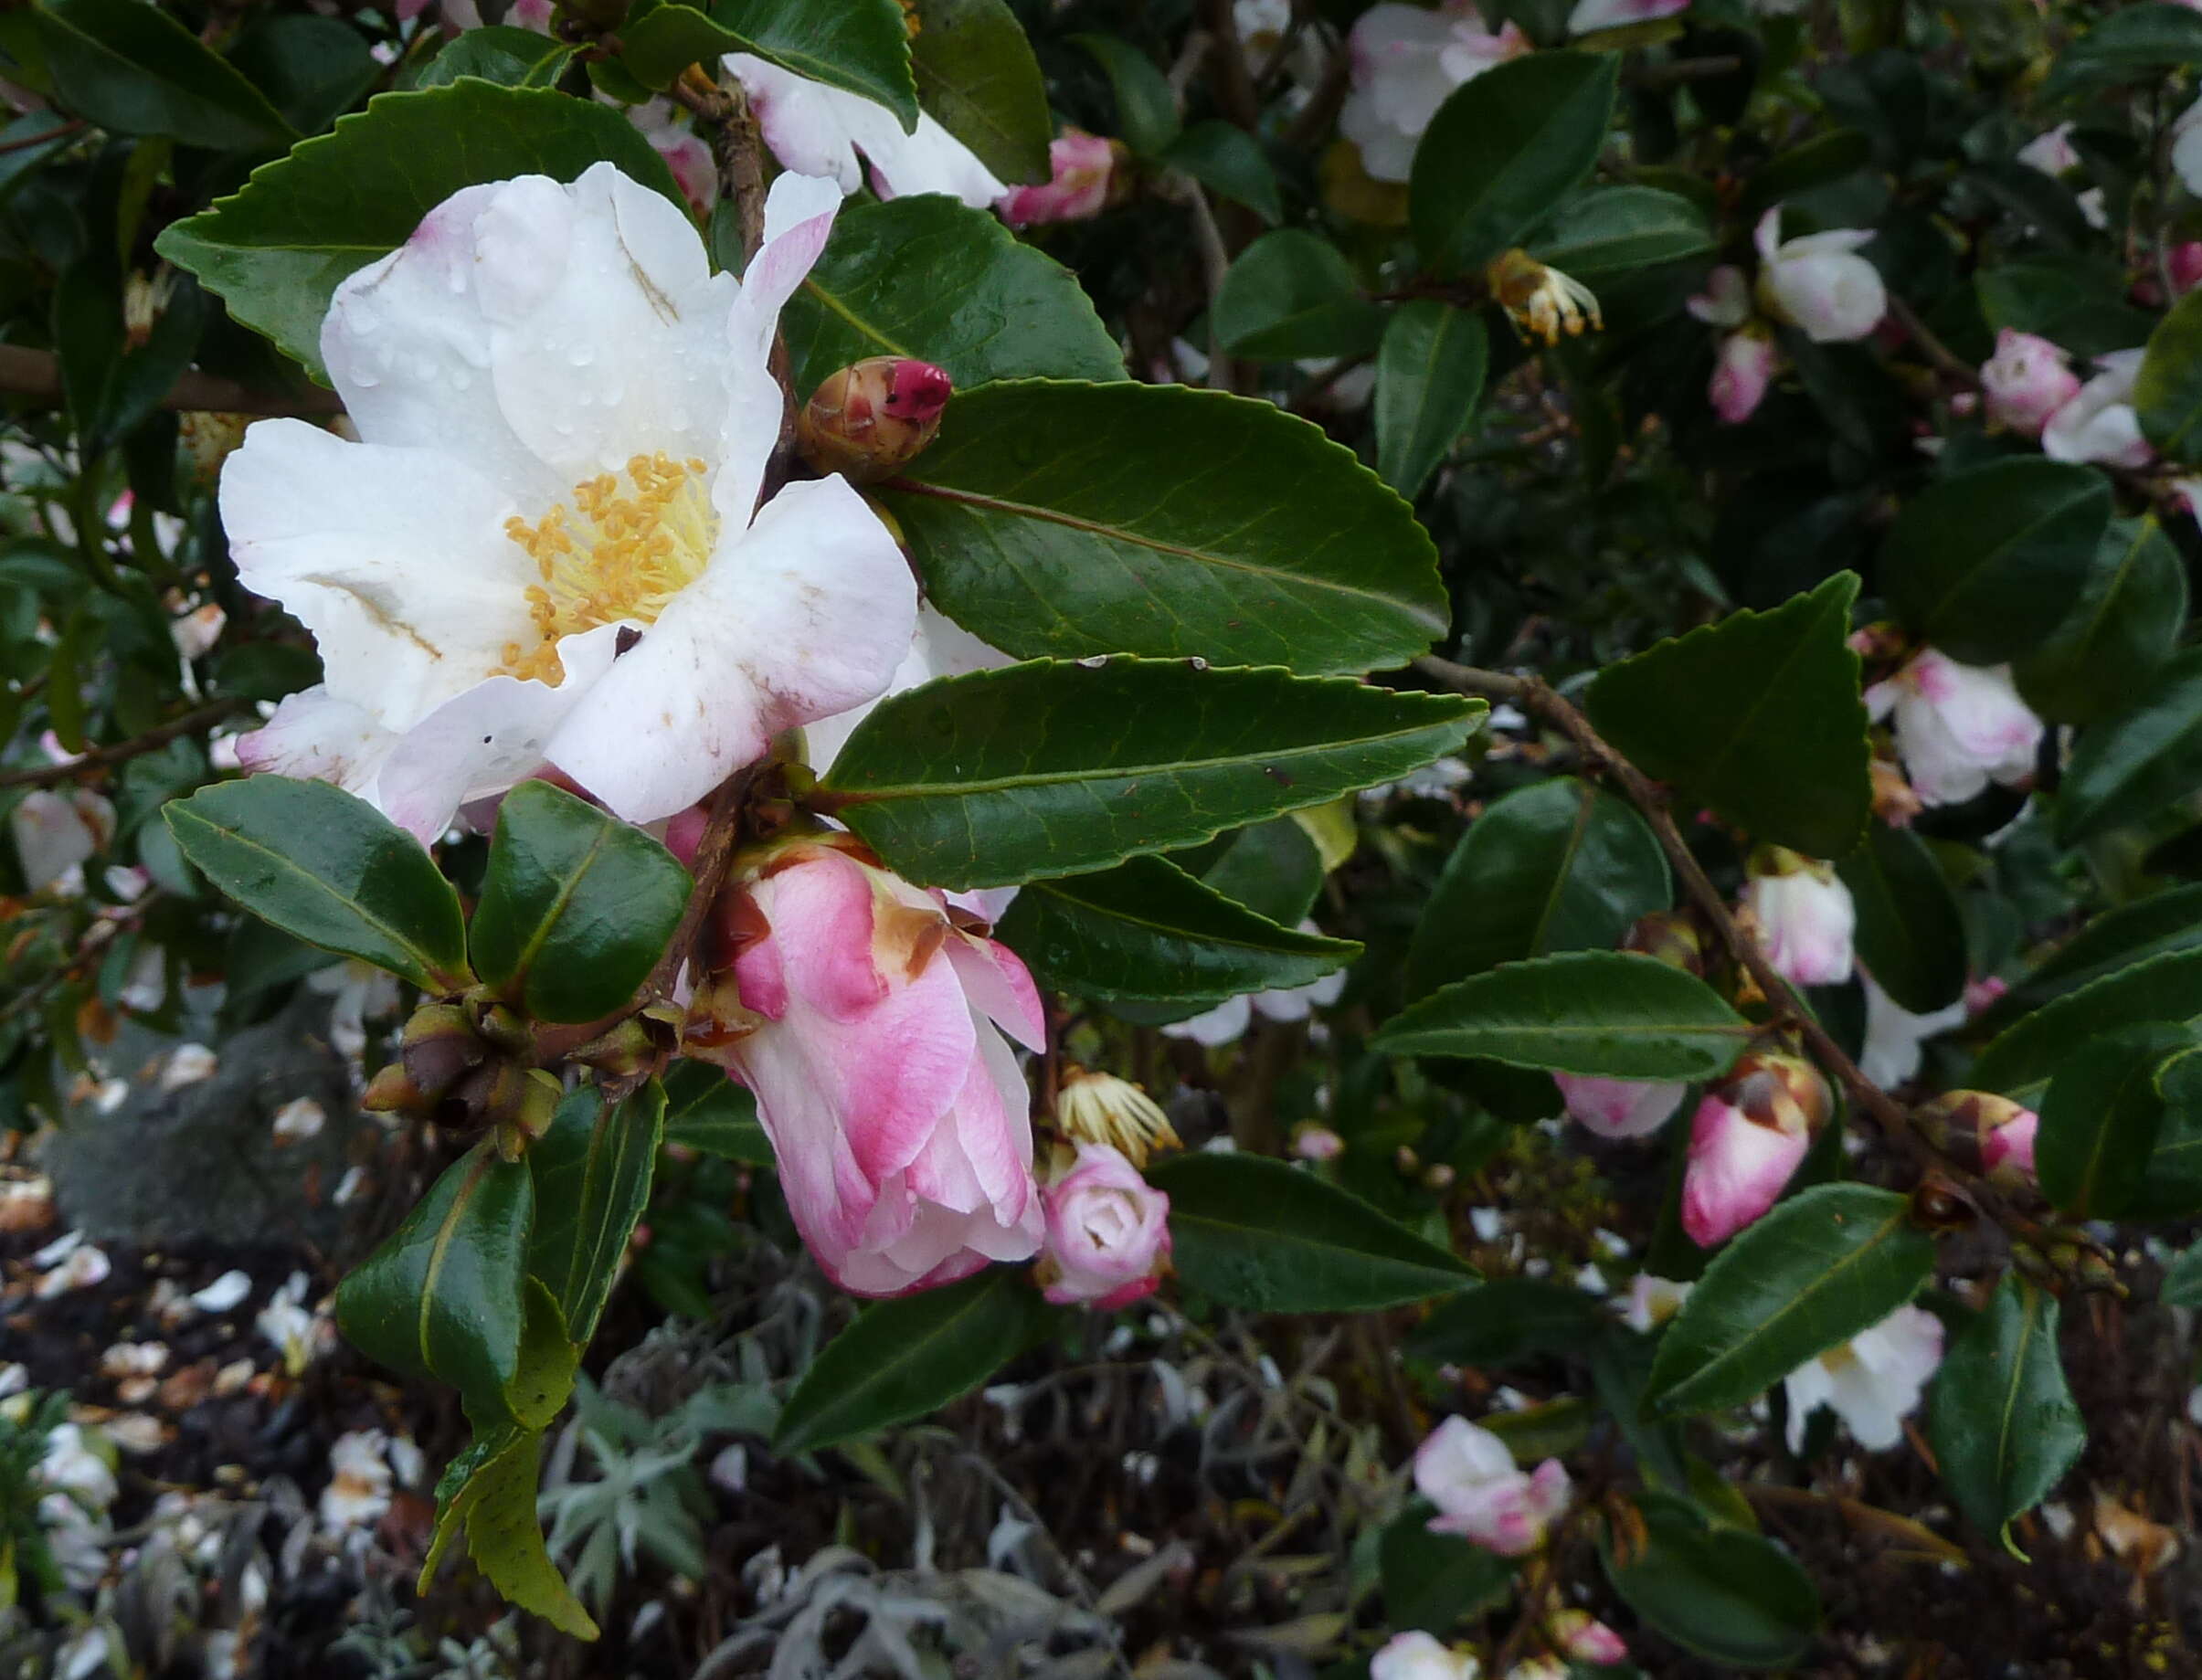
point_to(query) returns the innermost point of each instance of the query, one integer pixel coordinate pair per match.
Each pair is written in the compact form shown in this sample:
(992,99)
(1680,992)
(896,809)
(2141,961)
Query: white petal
(806,615)
(317,736)
(800,121)
(942,648)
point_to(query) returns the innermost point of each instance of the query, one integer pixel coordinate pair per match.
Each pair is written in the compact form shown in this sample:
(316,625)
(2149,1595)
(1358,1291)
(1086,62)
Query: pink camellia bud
(872,419)
(2025,381)
(1086,173)
(1619,1107)
(1751,1132)
(1741,375)
(2006,1150)
(2183,262)
(1579,1634)
(2001,1129)
(1819,283)
(1805,915)
(1480,1493)
(873,1028)
(1108,1233)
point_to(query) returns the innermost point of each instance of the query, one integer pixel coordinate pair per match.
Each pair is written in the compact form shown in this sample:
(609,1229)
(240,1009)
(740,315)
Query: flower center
(630,542)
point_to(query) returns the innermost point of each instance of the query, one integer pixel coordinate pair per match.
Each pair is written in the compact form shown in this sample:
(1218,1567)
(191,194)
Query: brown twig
(1944,359)
(36,375)
(714,853)
(104,758)
(73,126)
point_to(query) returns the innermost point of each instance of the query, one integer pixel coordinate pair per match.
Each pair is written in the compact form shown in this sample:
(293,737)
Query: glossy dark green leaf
(863,46)
(489,1492)
(592,1172)
(2162,922)
(1986,563)
(1611,229)
(576,905)
(1253,1232)
(2129,45)
(1757,716)
(2182,1284)
(977,76)
(1558,866)
(2001,1417)
(1429,375)
(1818,162)
(1147,931)
(275,252)
(927,276)
(329,869)
(1509,1321)
(906,1357)
(1810,1276)
(2021,1061)
(1503,150)
(1605,1013)
(311,69)
(2100,1118)
(2118,637)
(442,1297)
(503,53)
(2128,769)
(1292,295)
(2168,392)
(1229,162)
(133,69)
(1273,868)
(1434,1581)
(1147,111)
(1059,767)
(709,1113)
(543,1379)
(2172,1187)
(1909,935)
(1722,1592)
(1063,519)
(2076,301)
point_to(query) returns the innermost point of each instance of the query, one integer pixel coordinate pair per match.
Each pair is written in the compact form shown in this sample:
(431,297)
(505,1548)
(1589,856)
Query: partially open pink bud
(1751,1132)
(873,417)
(1580,1635)
(1087,175)
(1317,1143)
(1619,1107)
(1480,1493)
(1741,375)
(2007,1150)
(1108,1233)
(1805,915)
(2025,381)
(2183,262)
(2002,1130)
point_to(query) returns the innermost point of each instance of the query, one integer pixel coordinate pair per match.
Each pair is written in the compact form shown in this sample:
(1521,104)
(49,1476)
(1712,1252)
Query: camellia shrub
(953,601)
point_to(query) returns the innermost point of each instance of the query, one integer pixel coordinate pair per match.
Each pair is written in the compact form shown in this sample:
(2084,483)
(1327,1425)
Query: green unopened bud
(393,1092)
(507,1028)
(439,1048)
(628,1048)
(1671,937)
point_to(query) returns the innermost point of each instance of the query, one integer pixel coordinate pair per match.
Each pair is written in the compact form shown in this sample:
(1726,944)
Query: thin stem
(1946,360)
(101,758)
(74,125)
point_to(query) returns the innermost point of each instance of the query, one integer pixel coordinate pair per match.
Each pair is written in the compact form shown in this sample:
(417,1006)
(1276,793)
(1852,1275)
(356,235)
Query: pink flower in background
(1726,300)
(1406,61)
(2006,1144)
(1872,1382)
(1591,14)
(1085,168)
(1958,727)
(2025,381)
(2183,262)
(895,1107)
(1805,914)
(1317,1143)
(1750,1133)
(2098,423)
(1108,1233)
(1740,376)
(815,130)
(1467,1473)
(1619,1107)
(2052,152)
(1587,1639)
(1819,283)
(695,171)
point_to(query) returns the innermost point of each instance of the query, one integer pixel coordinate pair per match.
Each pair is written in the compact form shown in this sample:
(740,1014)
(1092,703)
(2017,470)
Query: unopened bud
(1895,801)
(1543,303)
(439,1047)
(1999,1130)
(1750,1133)
(1100,1108)
(1438,1175)
(627,1049)
(506,1028)
(1671,937)
(393,1092)
(873,418)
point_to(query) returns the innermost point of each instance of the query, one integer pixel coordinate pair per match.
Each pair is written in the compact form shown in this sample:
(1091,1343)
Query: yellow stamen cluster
(1100,1108)
(1544,304)
(638,539)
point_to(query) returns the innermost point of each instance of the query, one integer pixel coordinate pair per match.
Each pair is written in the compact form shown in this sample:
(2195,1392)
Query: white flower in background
(145,985)
(57,834)
(1591,14)
(1228,1021)
(1469,1475)
(549,548)
(301,1333)
(1957,728)
(1406,61)
(2100,423)
(72,1465)
(2051,152)
(359,1481)
(226,1291)
(1819,283)
(1421,1656)
(187,1065)
(13,1379)
(815,130)
(80,1267)
(1896,1039)
(362,992)
(1726,300)
(1805,914)
(79,1482)
(196,631)
(300,1118)
(2187,148)
(695,171)
(1651,1302)
(1619,1107)
(1872,1382)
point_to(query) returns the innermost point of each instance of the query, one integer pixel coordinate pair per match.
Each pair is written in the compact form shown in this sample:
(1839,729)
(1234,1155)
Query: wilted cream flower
(1543,303)
(1100,1108)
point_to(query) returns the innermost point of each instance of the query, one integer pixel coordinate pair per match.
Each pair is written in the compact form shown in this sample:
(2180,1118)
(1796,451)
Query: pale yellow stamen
(630,542)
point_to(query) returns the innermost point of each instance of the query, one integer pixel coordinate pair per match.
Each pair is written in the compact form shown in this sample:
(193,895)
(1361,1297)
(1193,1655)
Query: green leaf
(442,1297)
(1608,230)
(2099,1119)
(2131,610)
(2168,392)
(1986,563)
(2001,1418)
(909,1356)
(1503,150)
(543,1380)
(1291,295)
(1057,767)
(310,68)
(1432,1581)
(275,252)
(1724,1593)
(2129,45)
(1228,161)
(1757,716)
(2130,769)
(2172,1187)
(1253,1232)
(1910,933)
(2150,926)
(576,905)
(1429,375)
(1509,1321)
(1068,520)
(2182,1284)
(2021,1060)
(927,276)
(329,869)
(592,1172)
(502,53)
(1147,111)
(1612,1013)
(1821,1267)
(975,74)
(1558,866)
(861,45)
(707,1111)
(490,1492)
(1146,931)
(131,69)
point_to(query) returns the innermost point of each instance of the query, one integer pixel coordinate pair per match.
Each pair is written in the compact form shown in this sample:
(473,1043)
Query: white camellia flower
(1819,283)
(2099,422)
(1958,727)
(1872,1382)
(1805,916)
(555,544)
(1406,61)
(1896,1039)
(1229,1019)
(815,130)
(2187,148)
